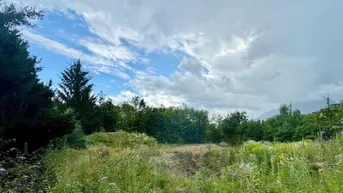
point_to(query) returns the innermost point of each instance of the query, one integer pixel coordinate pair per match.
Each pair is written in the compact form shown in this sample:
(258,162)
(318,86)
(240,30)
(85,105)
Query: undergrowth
(123,162)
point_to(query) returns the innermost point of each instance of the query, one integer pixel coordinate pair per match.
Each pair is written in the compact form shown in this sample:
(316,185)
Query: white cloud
(242,54)
(123,96)
(96,63)
(191,66)
(116,53)
(150,99)
(164,100)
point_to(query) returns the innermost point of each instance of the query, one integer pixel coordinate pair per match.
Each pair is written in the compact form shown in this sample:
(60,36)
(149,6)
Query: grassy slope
(122,162)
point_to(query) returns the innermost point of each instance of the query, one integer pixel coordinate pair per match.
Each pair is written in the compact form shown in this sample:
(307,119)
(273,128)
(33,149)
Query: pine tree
(76,92)
(23,97)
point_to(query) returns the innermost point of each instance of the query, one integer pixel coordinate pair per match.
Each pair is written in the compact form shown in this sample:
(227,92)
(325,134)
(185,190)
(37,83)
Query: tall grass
(123,162)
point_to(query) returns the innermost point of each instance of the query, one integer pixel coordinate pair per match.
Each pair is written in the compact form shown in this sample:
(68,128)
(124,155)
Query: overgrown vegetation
(30,108)
(105,166)
(125,156)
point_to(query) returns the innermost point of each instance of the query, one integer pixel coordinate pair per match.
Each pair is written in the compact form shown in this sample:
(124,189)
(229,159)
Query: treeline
(32,113)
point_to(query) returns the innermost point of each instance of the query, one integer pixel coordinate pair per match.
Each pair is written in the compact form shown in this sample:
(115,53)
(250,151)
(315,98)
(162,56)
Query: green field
(122,162)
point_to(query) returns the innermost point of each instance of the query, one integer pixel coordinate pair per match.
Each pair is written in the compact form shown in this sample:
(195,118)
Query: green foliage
(11,17)
(25,102)
(304,166)
(291,125)
(29,108)
(120,159)
(252,130)
(188,125)
(213,133)
(23,96)
(110,172)
(216,160)
(178,125)
(109,114)
(75,89)
(76,92)
(76,139)
(121,139)
(127,117)
(231,126)
(330,119)
(309,128)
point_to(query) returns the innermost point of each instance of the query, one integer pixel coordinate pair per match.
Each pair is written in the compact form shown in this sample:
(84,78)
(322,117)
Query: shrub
(121,139)
(51,125)
(216,160)
(76,139)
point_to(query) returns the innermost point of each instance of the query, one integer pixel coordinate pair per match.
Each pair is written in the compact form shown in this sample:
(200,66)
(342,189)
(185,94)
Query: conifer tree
(76,92)
(23,97)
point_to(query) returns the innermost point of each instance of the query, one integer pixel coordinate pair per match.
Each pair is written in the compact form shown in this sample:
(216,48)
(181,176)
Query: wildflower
(2,170)
(19,185)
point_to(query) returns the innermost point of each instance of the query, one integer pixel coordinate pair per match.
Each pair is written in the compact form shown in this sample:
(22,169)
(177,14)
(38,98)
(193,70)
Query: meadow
(124,162)
(61,136)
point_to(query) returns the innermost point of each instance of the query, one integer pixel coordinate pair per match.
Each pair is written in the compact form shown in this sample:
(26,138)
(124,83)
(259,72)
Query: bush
(107,170)
(76,139)
(49,126)
(121,139)
(216,160)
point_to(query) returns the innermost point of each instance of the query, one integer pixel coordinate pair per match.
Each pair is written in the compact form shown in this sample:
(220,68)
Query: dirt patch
(179,163)
(183,160)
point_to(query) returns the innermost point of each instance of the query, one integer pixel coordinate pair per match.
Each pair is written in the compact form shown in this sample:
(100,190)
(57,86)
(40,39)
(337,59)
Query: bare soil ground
(183,160)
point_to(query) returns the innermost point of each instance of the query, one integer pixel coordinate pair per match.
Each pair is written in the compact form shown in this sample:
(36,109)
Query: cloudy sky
(217,55)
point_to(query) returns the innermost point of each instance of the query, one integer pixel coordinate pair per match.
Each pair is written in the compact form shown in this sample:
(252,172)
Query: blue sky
(65,29)
(220,56)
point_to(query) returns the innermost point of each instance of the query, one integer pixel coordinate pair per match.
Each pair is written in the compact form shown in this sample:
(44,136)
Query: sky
(220,55)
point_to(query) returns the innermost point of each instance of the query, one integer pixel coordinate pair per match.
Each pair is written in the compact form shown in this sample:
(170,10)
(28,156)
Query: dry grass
(252,167)
(183,160)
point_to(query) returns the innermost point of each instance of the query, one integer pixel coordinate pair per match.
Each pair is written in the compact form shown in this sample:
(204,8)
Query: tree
(213,134)
(231,128)
(109,113)
(75,89)
(140,115)
(252,130)
(76,92)
(330,120)
(26,112)
(176,125)
(11,18)
(126,118)
(309,128)
(285,128)
(22,95)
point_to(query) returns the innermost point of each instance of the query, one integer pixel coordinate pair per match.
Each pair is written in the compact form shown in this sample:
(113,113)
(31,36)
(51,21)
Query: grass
(122,162)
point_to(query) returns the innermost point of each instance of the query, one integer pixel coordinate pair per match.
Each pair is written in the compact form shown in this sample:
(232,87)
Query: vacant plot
(136,163)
